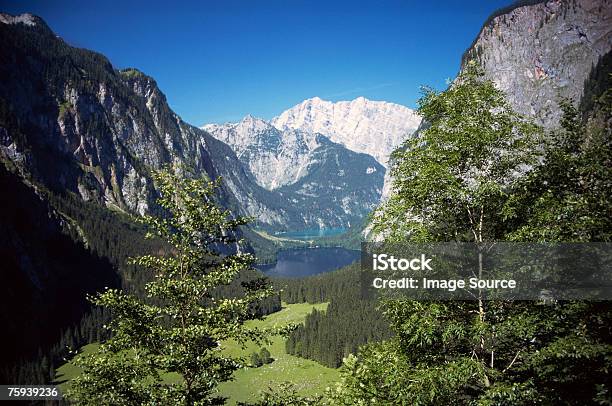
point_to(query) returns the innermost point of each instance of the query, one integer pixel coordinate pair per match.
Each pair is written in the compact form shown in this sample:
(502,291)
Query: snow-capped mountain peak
(253,124)
(26,19)
(275,157)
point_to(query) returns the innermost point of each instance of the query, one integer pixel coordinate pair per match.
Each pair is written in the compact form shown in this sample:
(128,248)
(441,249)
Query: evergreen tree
(265,356)
(349,322)
(178,328)
(256,361)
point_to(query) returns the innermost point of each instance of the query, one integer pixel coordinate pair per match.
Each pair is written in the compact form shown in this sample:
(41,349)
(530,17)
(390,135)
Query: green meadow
(309,377)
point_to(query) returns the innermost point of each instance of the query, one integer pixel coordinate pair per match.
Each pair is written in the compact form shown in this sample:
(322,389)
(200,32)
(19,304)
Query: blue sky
(216,61)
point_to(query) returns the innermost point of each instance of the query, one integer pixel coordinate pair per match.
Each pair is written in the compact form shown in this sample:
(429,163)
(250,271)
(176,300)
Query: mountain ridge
(279,152)
(314,173)
(79,125)
(275,157)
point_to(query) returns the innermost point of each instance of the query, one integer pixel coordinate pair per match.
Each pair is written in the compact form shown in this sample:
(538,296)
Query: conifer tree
(255,360)
(265,356)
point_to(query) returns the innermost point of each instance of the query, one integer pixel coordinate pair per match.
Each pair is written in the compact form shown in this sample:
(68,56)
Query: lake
(300,262)
(312,233)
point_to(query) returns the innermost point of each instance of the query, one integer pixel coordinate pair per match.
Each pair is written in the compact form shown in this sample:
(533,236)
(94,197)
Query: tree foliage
(260,358)
(285,394)
(265,356)
(567,198)
(348,322)
(452,179)
(179,327)
(463,179)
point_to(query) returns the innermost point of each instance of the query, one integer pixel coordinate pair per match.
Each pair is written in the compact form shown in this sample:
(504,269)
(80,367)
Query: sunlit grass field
(309,377)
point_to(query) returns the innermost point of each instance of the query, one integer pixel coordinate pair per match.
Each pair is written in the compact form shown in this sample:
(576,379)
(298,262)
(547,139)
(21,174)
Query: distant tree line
(329,336)
(319,288)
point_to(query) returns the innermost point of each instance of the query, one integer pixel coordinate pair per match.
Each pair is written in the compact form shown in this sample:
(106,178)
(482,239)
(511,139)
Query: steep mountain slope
(45,273)
(80,131)
(318,177)
(371,127)
(78,125)
(539,53)
(339,183)
(274,157)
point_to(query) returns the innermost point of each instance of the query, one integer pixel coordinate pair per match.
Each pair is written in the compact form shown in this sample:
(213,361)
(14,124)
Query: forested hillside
(348,323)
(124,226)
(71,248)
(79,139)
(46,273)
(45,307)
(328,336)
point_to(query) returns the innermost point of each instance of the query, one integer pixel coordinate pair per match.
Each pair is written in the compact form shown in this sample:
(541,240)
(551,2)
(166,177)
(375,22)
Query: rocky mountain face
(287,153)
(339,182)
(276,158)
(541,51)
(315,174)
(370,127)
(376,128)
(75,124)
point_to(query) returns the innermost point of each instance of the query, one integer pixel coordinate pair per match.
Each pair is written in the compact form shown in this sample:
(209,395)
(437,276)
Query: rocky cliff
(76,124)
(276,158)
(540,52)
(319,177)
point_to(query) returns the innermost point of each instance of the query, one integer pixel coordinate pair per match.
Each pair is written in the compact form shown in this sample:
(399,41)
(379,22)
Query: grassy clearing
(67,371)
(308,376)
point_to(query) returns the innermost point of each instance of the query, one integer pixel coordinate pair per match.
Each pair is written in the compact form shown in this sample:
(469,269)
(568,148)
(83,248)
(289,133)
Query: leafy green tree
(567,198)
(458,180)
(451,180)
(178,329)
(285,394)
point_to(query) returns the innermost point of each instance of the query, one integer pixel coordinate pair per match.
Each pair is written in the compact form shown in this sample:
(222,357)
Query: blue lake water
(313,233)
(300,262)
